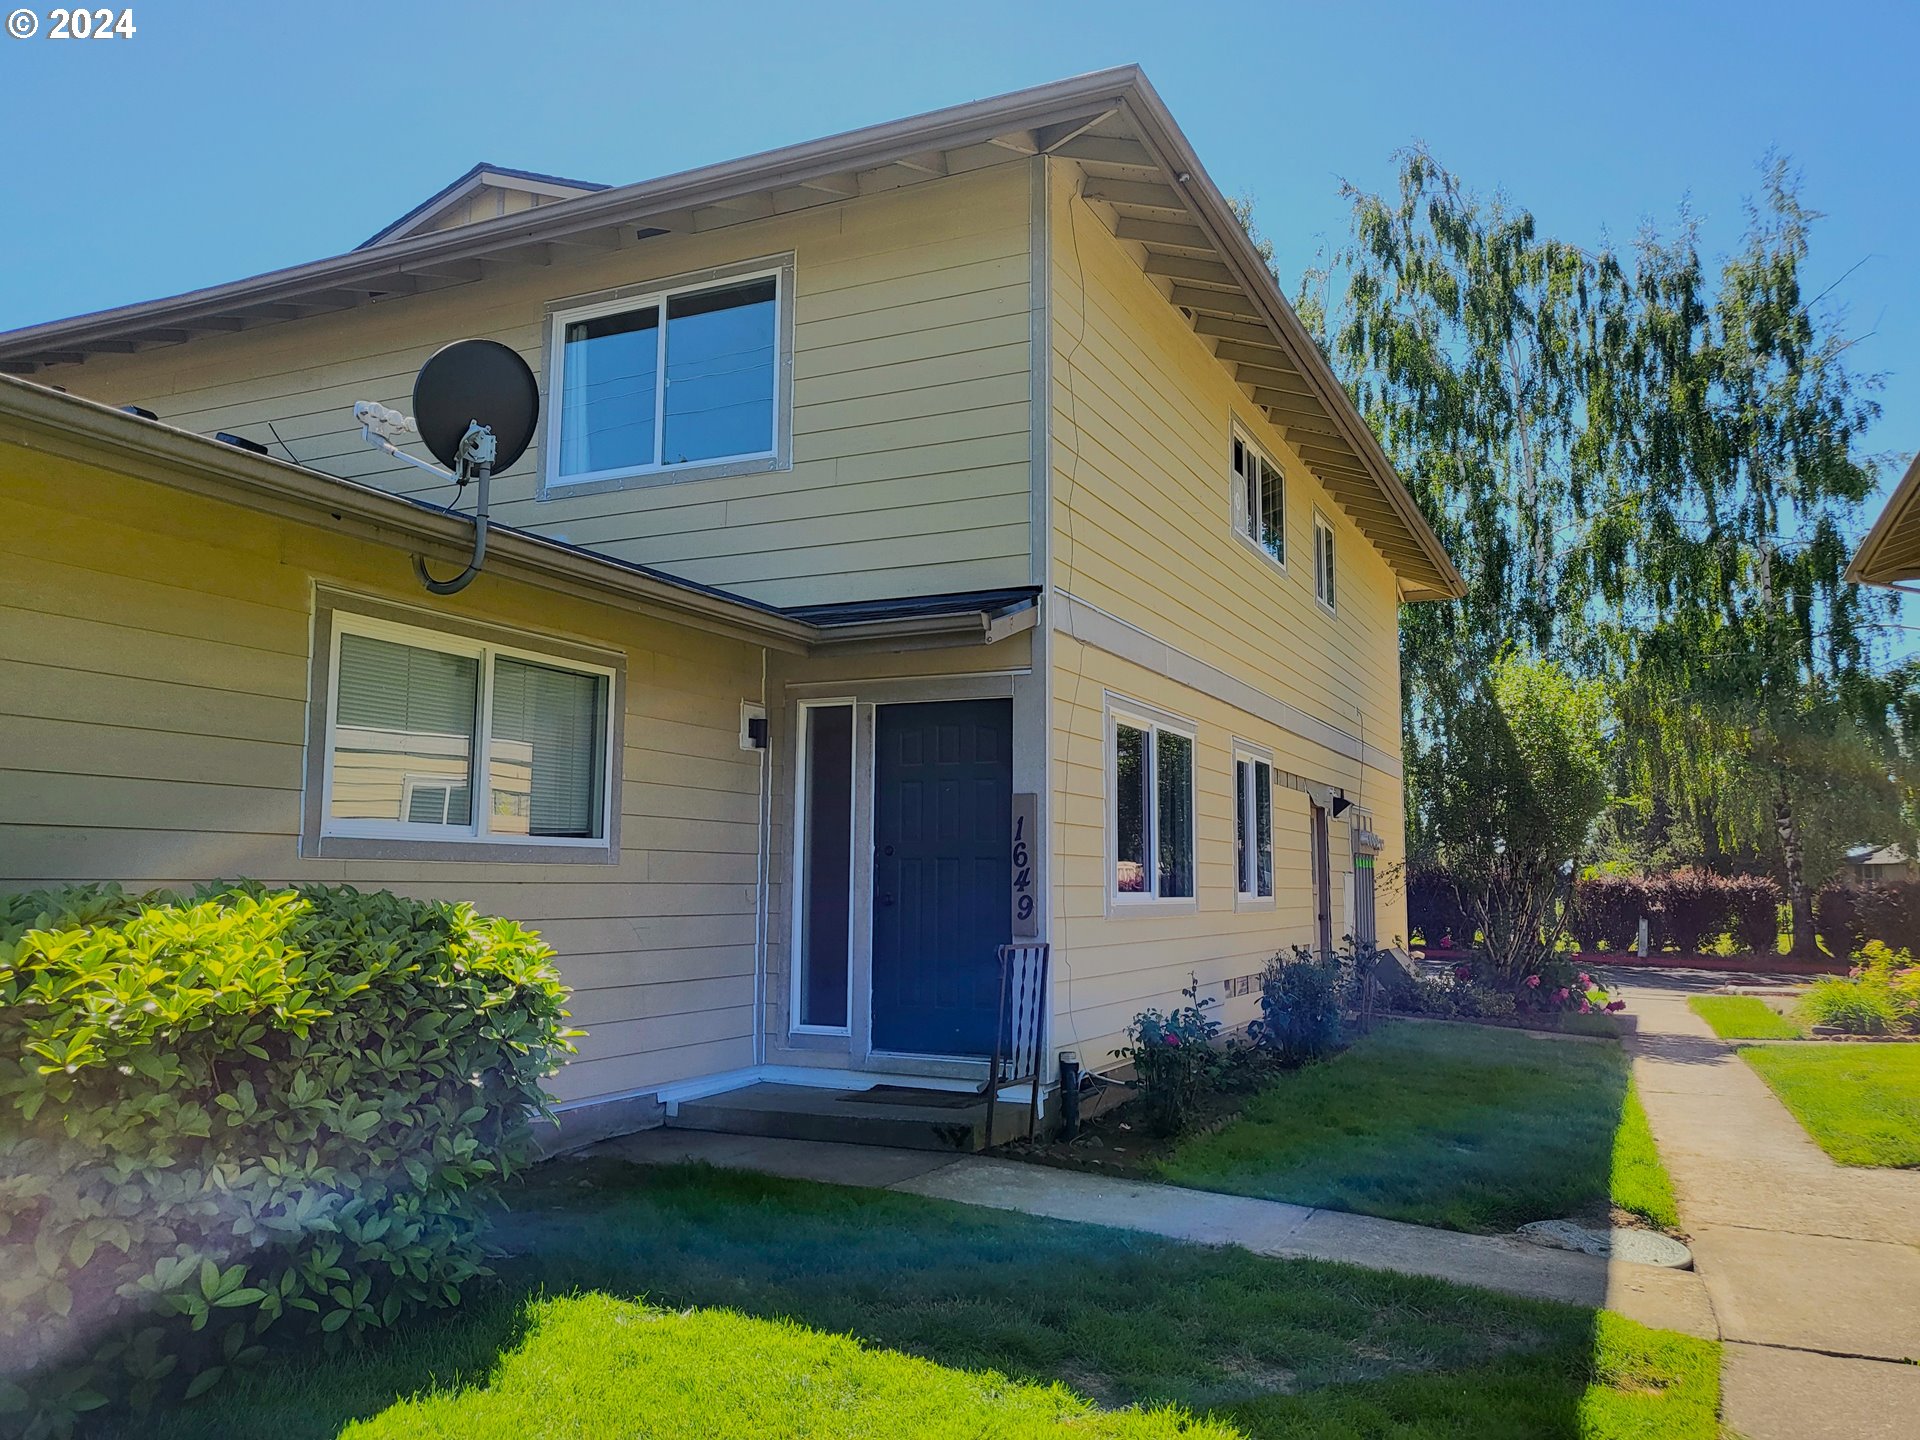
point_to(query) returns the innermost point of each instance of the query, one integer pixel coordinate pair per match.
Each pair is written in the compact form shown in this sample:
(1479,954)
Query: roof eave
(1163,137)
(1902,510)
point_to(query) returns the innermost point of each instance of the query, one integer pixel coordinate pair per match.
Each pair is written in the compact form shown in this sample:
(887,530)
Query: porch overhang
(39,420)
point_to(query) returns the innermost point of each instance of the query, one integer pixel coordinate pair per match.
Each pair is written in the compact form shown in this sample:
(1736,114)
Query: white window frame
(802,731)
(1326,589)
(1246,880)
(1246,519)
(475,833)
(1154,723)
(554,483)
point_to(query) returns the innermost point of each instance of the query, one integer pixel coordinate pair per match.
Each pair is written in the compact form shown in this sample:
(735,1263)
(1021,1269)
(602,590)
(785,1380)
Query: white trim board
(1090,625)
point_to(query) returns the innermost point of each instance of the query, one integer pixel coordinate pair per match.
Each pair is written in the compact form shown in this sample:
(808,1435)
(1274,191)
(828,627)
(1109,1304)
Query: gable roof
(1890,554)
(1144,180)
(501,179)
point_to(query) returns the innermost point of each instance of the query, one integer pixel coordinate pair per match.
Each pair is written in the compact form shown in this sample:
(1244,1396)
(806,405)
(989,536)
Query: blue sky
(225,139)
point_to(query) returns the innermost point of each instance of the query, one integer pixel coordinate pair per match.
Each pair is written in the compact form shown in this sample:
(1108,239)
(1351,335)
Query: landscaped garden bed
(692,1302)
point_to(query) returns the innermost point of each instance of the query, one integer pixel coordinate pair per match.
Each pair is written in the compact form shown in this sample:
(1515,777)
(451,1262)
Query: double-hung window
(1253,826)
(434,736)
(1153,810)
(676,382)
(1323,560)
(1259,499)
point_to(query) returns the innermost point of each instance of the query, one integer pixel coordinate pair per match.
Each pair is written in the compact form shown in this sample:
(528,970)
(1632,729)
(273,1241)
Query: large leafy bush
(1881,996)
(247,1112)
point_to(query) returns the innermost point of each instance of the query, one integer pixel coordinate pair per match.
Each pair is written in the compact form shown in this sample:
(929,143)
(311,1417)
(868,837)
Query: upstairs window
(1153,808)
(1323,561)
(1259,499)
(668,382)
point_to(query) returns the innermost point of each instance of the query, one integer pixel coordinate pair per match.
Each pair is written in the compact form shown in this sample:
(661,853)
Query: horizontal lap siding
(153,672)
(910,423)
(1142,529)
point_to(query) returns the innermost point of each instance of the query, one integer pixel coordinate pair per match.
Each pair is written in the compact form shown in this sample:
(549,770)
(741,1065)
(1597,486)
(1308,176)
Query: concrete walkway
(1813,1268)
(1669,1299)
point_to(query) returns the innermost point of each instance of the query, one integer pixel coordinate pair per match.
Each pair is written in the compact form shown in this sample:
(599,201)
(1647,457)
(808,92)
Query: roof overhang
(35,418)
(1890,555)
(1144,180)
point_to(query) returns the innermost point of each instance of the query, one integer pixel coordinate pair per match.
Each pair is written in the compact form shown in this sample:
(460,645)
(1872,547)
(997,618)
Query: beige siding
(910,424)
(1142,531)
(153,662)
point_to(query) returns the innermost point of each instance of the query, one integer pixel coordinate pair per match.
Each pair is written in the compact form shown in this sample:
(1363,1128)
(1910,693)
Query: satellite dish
(476,382)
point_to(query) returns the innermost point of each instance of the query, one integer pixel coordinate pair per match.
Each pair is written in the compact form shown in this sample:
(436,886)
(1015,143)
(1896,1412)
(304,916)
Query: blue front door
(943,809)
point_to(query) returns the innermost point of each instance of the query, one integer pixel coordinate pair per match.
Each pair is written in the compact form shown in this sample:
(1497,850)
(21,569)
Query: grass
(1860,1102)
(692,1302)
(1744,1017)
(1465,1127)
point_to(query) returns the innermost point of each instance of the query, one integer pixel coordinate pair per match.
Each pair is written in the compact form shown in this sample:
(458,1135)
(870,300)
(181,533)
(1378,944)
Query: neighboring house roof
(1876,855)
(1891,552)
(434,212)
(53,422)
(1144,180)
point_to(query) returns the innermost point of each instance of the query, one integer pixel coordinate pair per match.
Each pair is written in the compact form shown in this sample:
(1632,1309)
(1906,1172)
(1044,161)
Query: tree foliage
(1514,782)
(1648,469)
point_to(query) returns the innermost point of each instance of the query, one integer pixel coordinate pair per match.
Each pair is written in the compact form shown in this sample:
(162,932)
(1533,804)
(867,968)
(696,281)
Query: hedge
(1848,919)
(247,1113)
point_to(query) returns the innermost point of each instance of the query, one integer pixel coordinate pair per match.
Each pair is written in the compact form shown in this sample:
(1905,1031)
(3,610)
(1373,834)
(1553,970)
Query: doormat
(909,1095)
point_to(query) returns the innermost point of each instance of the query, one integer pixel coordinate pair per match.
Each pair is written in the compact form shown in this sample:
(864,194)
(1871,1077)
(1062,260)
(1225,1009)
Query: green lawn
(1859,1101)
(692,1302)
(1744,1017)
(1463,1126)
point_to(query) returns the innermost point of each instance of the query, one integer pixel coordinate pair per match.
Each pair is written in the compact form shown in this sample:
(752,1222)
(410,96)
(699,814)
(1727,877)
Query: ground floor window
(438,736)
(1153,810)
(1253,826)
(823,931)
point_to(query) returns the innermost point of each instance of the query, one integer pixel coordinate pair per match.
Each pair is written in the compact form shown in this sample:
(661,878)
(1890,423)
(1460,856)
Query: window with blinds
(436,737)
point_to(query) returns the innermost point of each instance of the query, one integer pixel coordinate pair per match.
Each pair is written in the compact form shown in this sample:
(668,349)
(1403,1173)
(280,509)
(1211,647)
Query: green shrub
(250,1111)
(1848,1005)
(1880,996)
(1175,1060)
(1299,1007)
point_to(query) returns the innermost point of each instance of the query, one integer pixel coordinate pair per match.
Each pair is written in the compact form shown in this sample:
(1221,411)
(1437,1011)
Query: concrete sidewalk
(1813,1268)
(1669,1299)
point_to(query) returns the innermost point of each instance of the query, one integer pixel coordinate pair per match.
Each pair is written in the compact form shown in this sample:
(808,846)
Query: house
(1868,867)
(903,502)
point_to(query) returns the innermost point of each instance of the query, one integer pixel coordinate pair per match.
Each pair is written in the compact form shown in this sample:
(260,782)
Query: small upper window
(1153,805)
(674,379)
(436,737)
(1259,499)
(1323,561)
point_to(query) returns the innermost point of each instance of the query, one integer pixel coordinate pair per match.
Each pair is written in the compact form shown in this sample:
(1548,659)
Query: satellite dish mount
(475,405)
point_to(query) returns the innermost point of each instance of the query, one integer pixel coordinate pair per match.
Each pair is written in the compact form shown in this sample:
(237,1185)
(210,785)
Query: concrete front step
(943,1120)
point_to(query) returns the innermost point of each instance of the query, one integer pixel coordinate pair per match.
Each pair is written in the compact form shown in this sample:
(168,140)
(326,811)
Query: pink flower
(1585,980)
(1561,994)
(1585,1008)
(1173,1039)
(1614,1005)
(1533,982)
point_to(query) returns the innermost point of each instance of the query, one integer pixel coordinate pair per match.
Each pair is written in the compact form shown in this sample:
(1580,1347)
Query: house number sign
(1026,908)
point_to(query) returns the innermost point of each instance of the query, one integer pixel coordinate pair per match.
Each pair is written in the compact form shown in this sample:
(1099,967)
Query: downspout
(764,860)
